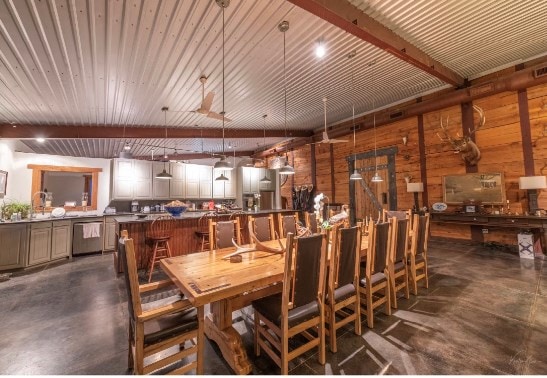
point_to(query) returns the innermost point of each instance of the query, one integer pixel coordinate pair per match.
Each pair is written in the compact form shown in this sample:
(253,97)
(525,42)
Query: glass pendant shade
(376,177)
(286,169)
(164,175)
(222,178)
(223,164)
(355,175)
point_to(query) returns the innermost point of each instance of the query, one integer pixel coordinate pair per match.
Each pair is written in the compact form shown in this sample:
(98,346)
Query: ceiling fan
(326,138)
(206,103)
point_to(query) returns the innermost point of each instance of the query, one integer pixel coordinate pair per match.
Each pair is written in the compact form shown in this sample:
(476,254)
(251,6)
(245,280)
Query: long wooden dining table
(207,277)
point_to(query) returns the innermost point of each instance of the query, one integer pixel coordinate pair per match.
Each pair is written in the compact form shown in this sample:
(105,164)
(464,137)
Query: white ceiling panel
(117,62)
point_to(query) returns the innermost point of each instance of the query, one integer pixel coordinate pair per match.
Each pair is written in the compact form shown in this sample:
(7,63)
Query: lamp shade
(223,164)
(222,178)
(164,175)
(414,187)
(533,182)
(376,178)
(355,175)
(286,169)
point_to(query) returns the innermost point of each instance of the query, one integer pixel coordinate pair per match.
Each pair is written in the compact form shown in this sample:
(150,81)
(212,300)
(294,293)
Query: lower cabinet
(109,234)
(49,241)
(14,246)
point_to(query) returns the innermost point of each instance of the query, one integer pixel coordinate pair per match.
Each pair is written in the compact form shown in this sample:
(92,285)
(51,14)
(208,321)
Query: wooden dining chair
(312,222)
(221,233)
(418,252)
(263,227)
(287,223)
(343,300)
(374,281)
(299,308)
(202,232)
(156,326)
(158,233)
(398,258)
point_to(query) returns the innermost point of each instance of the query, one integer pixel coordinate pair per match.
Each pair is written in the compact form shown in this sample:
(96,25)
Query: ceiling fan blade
(207,102)
(218,116)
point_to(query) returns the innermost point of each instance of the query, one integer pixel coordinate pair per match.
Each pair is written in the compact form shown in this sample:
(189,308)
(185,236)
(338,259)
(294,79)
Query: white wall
(6,159)
(20,177)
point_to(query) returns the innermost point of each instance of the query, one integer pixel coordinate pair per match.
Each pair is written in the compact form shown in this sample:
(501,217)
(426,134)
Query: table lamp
(415,187)
(532,184)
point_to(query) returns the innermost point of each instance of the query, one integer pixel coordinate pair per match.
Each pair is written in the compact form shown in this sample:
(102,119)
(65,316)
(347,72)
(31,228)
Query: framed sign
(486,188)
(3,183)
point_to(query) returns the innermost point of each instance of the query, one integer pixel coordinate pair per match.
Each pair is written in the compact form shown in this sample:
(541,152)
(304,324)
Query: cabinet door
(205,182)
(40,245)
(122,189)
(142,170)
(246,177)
(218,188)
(192,173)
(109,235)
(13,239)
(255,179)
(160,188)
(142,189)
(123,168)
(61,241)
(177,187)
(230,185)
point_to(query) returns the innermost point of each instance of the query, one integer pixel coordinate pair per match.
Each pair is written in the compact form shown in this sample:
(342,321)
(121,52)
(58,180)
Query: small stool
(203,237)
(159,232)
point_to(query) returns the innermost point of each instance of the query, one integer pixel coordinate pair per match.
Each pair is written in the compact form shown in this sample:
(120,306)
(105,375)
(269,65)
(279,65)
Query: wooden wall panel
(499,140)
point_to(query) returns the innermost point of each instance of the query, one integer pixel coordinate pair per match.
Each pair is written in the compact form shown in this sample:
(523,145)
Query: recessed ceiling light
(320,50)
(40,140)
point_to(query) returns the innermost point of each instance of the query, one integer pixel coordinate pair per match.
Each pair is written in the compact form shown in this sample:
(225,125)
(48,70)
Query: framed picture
(3,183)
(470,208)
(486,188)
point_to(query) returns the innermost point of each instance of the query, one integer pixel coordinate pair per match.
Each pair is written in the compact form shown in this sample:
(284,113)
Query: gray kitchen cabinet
(160,187)
(109,234)
(40,243)
(13,239)
(224,189)
(250,178)
(205,182)
(61,239)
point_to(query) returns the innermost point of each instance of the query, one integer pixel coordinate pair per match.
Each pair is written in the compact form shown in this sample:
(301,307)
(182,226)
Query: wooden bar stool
(159,232)
(202,233)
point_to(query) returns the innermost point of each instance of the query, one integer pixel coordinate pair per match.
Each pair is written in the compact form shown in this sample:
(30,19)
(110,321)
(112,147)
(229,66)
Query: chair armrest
(160,311)
(155,285)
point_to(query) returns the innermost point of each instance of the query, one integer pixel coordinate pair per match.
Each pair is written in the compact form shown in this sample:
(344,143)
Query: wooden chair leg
(257,336)
(393,290)
(358,330)
(284,355)
(139,351)
(168,248)
(321,331)
(332,329)
(407,283)
(426,276)
(413,274)
(130,361)
(153,261)
(370,310)
(388,299)
(201,342)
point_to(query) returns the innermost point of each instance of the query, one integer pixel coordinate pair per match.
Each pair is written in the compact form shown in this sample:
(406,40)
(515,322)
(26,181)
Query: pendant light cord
(223,111)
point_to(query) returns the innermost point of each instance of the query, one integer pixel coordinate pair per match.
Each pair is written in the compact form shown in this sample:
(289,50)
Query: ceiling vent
(539,72)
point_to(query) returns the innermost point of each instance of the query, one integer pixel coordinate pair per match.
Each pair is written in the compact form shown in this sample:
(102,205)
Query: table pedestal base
(230,344)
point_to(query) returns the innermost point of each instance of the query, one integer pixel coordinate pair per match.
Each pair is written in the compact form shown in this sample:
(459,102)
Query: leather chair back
(288,224)
(422,234)
(347,255)
(402,239)
(381,247)
(224,234)
(305,284)
(311,222)
(261,228)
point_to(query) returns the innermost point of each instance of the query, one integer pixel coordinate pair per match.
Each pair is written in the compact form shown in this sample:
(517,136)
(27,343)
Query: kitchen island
(184,239)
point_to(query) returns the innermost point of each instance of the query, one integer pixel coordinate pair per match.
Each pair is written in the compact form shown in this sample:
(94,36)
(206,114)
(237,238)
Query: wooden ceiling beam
(194,156)
(101,132)
(351,19)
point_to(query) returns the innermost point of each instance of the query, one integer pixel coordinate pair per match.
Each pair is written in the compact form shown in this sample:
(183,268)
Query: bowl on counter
(176,210)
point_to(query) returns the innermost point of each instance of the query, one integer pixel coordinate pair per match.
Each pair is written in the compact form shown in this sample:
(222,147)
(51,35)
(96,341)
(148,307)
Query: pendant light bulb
(355,175)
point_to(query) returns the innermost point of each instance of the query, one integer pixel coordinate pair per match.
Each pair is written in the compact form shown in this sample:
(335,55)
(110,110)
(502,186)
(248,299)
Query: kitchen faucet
(42,203)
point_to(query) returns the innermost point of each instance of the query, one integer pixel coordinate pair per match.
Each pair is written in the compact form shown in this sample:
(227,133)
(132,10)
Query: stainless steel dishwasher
(93,243)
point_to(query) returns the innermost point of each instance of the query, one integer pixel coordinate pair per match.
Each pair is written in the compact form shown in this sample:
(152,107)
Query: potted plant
(14,207)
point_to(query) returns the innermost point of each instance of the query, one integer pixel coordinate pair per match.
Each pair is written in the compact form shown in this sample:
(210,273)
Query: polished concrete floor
(485,312)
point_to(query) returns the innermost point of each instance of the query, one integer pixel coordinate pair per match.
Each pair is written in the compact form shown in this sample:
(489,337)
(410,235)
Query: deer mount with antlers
(464,146)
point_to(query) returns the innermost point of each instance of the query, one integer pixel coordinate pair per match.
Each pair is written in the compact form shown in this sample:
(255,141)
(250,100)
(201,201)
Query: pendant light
(286,169)
(355,175)
(376,177)
(126,153)
(223,164)
(265,178)
(164,175)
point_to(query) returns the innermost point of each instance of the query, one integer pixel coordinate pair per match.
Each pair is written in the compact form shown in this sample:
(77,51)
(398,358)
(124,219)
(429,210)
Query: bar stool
(202,233)
(159,232)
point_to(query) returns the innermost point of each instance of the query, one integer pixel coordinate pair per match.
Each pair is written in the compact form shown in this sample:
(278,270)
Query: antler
(482,119)
(447,137)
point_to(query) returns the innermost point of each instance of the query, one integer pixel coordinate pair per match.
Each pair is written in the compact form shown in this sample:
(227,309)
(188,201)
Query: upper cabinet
(250,179)
(136,179)
(131,179)
(224,189)
(160,187)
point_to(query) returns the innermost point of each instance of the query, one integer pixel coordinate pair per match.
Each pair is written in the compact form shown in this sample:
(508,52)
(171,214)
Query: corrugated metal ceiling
(101,62)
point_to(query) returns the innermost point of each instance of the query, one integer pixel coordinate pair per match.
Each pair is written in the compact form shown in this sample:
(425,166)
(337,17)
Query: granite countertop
(192,215)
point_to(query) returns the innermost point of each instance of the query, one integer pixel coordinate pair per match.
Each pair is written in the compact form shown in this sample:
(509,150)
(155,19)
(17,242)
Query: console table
(479,221)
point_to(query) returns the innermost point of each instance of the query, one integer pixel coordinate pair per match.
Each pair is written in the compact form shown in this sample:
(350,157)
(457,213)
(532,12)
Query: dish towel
(92,230)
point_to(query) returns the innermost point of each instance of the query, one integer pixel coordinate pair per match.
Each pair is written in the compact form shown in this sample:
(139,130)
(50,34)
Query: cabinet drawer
(40,225)
(463,219)
(62,223)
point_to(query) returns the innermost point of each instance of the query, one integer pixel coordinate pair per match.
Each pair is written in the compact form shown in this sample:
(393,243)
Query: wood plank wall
(499,140)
